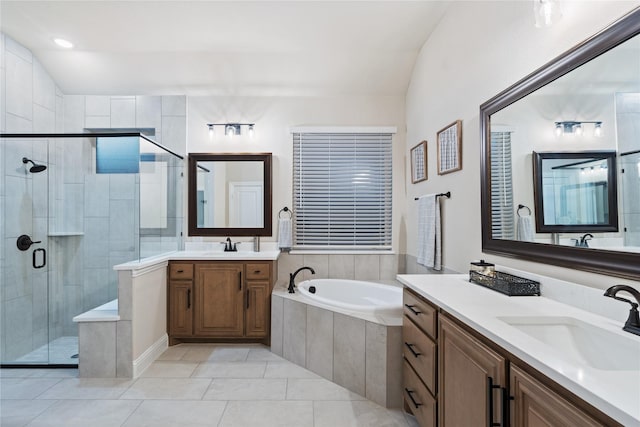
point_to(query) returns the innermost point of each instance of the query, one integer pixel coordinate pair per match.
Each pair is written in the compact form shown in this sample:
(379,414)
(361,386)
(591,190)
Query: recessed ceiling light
(63,43)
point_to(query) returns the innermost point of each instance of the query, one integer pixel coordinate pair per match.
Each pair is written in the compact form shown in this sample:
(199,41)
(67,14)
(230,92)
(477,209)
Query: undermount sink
(581,341)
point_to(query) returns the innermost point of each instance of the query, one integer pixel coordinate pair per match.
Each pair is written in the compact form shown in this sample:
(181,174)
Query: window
(501,187)
(342,190)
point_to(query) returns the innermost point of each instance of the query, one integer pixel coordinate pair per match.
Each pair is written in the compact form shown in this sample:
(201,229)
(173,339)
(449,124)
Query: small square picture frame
(449,144)
(419,162)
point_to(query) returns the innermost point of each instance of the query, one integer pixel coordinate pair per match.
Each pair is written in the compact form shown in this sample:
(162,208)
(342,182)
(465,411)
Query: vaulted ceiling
(241,48)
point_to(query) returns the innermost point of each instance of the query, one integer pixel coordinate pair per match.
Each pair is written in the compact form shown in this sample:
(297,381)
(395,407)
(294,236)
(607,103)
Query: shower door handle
(35,256)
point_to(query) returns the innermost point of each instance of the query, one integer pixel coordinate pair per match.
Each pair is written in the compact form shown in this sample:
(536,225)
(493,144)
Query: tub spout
(292,277)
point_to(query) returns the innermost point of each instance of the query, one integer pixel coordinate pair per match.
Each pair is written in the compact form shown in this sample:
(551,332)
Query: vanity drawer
(421,312)
(417,398)
(179,271)
(420,351)
(257,270)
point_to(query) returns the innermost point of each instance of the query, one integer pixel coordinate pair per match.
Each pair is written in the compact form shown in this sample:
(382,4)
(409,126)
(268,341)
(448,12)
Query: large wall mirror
(230,194)
(585,101)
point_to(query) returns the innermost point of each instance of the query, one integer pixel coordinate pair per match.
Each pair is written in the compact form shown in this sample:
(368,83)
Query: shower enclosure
(71,207)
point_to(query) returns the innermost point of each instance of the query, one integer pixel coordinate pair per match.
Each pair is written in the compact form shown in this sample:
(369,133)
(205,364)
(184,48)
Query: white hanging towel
(429,232)
(285,233)
(524,231)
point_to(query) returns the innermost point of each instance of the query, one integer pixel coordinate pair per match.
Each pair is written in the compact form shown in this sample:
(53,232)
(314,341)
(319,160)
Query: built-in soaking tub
(347,331)
(355,296)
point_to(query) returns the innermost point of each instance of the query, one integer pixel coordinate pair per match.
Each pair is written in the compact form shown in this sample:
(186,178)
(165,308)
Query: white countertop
(200,256)
(616,393)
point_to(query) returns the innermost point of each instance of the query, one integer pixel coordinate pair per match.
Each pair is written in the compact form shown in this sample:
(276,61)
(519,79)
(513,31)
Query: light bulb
(578,130)
(597,132)
(559,129)
(212,133)
(251,131)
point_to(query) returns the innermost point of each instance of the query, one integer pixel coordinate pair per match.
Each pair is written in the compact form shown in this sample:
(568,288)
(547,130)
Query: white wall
(477,50)
(275,115)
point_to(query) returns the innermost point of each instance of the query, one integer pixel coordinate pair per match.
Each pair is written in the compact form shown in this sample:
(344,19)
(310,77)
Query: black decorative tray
(507,284)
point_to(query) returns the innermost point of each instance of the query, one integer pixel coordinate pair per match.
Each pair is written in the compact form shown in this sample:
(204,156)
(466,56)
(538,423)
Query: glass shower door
(24,270)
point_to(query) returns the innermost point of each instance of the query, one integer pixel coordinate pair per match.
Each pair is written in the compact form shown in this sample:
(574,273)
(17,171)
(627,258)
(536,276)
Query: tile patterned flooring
(191,385)
(61,350)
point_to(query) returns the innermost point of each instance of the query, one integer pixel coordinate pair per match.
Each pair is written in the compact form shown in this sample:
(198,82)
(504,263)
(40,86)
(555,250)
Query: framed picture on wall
(419,162)
(449,141)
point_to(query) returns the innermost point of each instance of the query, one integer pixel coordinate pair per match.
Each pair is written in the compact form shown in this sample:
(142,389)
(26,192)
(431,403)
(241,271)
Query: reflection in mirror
(575,192)
(230,194)
(596,85)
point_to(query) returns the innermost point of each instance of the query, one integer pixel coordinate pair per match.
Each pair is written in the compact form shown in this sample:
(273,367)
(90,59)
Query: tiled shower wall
(627,120)
(92,214)
(30,101)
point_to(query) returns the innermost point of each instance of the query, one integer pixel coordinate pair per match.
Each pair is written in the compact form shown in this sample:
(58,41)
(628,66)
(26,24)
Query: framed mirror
(587,99)
(230,194)
(575,192)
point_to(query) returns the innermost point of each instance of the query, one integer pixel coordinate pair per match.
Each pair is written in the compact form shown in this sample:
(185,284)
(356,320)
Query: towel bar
(447,195)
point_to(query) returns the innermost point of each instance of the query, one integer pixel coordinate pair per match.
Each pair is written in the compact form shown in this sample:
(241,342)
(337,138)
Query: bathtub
(347,331)
(354,295)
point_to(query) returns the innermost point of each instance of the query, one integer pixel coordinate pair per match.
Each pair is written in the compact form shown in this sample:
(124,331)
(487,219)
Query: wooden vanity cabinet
(478,382)
(215,301)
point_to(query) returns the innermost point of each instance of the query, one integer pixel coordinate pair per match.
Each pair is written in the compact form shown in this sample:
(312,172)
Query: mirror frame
(612,263)
(612,192)
(194,230)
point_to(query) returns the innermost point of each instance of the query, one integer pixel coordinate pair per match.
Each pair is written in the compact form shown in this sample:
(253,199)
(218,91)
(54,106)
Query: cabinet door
(180,308)
(257,309)
(219,292)
(465,366)
(535,405)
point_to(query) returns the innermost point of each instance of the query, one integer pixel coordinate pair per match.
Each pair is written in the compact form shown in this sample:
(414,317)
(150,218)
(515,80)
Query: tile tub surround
(191,384)
(359,352)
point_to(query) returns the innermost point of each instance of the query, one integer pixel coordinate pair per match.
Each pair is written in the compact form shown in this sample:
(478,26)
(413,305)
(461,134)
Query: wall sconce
(577,128)
(232,129)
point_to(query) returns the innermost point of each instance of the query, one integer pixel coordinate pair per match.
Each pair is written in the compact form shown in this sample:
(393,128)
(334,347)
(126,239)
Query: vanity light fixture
(232,129)
(575,127)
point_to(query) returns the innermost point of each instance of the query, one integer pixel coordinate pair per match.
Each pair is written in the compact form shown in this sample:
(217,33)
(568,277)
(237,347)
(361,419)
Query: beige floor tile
(229,354)
(246,389)
(356,414)
(161,413)
(87,388)
(318,389)
(263,354)
(230,370)
(25,388)
(167,388)
(198,353)
(267,414)
(83,413)
(287,369)
(169,369)
(21,412)
(175,352)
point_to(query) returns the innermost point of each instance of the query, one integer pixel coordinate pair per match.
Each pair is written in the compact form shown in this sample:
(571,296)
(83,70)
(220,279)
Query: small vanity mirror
(575,192)
(230,194)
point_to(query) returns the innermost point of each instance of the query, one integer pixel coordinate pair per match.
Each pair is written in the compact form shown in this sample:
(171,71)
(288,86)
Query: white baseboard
(150,355)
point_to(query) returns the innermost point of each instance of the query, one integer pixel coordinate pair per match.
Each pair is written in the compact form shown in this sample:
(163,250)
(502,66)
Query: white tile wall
(123,112)
(44,89)
(97,105)
(174,106)
(19,86)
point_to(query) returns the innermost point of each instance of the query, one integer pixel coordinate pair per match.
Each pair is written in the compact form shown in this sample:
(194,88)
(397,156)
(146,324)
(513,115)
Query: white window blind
(501,187)
(342,190)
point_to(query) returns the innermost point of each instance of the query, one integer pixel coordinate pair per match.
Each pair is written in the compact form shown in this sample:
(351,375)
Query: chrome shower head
(35,168)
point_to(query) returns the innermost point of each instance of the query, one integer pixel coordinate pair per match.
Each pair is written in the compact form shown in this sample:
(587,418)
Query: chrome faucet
(633,322)
(292,277)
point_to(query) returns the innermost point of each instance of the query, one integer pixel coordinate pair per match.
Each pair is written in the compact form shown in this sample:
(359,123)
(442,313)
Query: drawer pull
(257,272)
(410,347)
(188,299)
(490,387)
(410,307)
(179,271)
(410,394)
